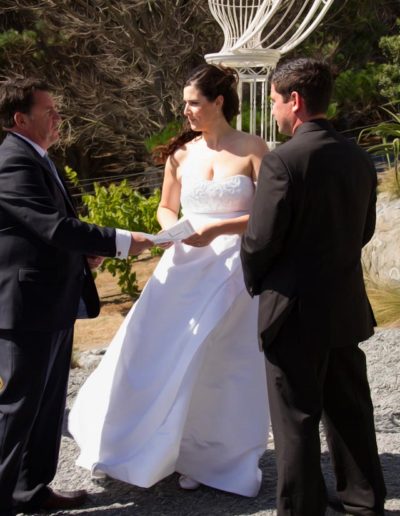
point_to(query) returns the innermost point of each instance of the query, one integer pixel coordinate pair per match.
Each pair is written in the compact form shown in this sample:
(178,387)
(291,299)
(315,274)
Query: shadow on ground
(167,499)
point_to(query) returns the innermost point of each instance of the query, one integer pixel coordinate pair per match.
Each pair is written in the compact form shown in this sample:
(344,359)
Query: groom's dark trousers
(43,276)
(314,210)
(309,382)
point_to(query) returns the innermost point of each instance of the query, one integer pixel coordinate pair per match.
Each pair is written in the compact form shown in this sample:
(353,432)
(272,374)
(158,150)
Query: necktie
(54,170)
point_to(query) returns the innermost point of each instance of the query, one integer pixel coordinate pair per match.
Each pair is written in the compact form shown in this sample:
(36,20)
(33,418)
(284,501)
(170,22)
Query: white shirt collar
(42,152)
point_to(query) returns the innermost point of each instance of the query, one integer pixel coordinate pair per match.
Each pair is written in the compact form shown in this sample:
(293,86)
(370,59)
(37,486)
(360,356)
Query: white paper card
(179,231)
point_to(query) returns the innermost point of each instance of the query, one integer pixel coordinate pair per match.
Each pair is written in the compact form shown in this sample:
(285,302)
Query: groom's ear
(297,101)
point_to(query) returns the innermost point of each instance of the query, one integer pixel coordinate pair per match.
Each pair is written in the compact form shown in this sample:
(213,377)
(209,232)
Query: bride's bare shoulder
(180,157)
(182,152)
(251,143)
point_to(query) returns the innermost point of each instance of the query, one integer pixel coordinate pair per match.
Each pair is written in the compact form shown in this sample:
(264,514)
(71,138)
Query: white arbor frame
(256,34)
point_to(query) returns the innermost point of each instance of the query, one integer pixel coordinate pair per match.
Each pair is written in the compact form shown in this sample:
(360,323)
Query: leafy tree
(390,71)
(357,95)
(118,68)
(349,34)
(348,37)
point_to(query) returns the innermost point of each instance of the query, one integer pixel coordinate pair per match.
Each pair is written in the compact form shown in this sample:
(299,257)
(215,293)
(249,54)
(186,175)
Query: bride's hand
(202,237)
(165,245)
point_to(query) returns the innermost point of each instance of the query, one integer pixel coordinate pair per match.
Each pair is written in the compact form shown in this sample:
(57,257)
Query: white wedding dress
(182,385)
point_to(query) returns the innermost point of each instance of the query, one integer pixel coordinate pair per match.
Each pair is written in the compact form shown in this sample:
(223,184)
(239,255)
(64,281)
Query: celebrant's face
(200,112)
(41,124)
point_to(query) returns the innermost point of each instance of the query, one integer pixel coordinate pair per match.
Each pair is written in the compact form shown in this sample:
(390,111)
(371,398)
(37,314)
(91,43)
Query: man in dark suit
(44,279)
(314,210)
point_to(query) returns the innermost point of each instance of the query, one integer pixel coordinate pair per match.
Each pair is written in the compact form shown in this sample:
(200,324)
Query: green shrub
(390,72)
(120,206)
(14,38)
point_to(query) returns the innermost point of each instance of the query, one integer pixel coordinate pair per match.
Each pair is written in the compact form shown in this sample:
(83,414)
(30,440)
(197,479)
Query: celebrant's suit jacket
(43,269)
(313,212)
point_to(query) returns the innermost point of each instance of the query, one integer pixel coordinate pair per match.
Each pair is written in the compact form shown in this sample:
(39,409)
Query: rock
(90,359)
(381,255)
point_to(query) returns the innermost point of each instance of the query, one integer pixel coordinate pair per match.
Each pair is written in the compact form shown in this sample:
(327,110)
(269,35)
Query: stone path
(113,498)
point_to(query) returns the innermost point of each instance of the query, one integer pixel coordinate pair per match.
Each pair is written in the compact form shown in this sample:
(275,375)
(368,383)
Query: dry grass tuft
(389,183)
(385,301)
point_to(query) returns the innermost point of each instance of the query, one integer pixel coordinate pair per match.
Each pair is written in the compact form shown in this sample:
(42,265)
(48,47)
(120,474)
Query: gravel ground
(114,498)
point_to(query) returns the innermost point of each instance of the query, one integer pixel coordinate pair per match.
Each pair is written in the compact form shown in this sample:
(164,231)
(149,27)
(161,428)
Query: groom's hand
(139,243)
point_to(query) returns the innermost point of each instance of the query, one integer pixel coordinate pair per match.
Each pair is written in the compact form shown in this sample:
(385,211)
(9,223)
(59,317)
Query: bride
(182,386)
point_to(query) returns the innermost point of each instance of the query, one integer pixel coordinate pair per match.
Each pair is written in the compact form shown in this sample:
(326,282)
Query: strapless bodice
(227,195)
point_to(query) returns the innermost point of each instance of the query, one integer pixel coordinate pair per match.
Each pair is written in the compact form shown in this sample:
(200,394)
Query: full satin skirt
(182,386)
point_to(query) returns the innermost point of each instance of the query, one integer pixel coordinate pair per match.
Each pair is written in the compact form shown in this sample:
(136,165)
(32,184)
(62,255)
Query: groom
(44,280)
(314,210)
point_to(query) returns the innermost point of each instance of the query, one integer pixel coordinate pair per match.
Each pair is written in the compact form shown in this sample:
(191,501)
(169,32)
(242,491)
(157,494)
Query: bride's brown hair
(211,81)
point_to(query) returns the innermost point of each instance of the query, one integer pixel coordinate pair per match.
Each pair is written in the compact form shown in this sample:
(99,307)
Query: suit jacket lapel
(64,190)
(45,164)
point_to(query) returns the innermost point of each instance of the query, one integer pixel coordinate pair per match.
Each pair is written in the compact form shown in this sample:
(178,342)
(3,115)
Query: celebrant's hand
(94,261)
(139,243)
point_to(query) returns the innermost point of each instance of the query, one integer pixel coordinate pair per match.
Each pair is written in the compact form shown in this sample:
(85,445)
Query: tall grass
(389,134)
(385,301)
(388,182)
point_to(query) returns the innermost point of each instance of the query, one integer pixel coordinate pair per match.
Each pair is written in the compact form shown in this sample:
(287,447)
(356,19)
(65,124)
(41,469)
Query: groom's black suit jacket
(43,271)
(314,210)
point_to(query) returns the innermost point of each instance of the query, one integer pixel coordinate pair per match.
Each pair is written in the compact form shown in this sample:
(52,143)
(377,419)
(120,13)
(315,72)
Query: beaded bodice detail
(227,195)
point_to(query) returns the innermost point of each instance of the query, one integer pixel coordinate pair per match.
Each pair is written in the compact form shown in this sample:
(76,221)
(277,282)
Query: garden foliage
(120,206)
(390,71)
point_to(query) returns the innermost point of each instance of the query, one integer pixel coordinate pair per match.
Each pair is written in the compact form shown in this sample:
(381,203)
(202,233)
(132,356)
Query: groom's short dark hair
(311,78)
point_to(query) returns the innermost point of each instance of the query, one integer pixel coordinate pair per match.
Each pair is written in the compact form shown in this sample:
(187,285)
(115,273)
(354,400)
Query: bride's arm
(205,235)
(168,209)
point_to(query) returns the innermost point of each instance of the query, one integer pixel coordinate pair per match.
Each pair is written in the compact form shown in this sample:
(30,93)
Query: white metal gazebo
(256,34)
